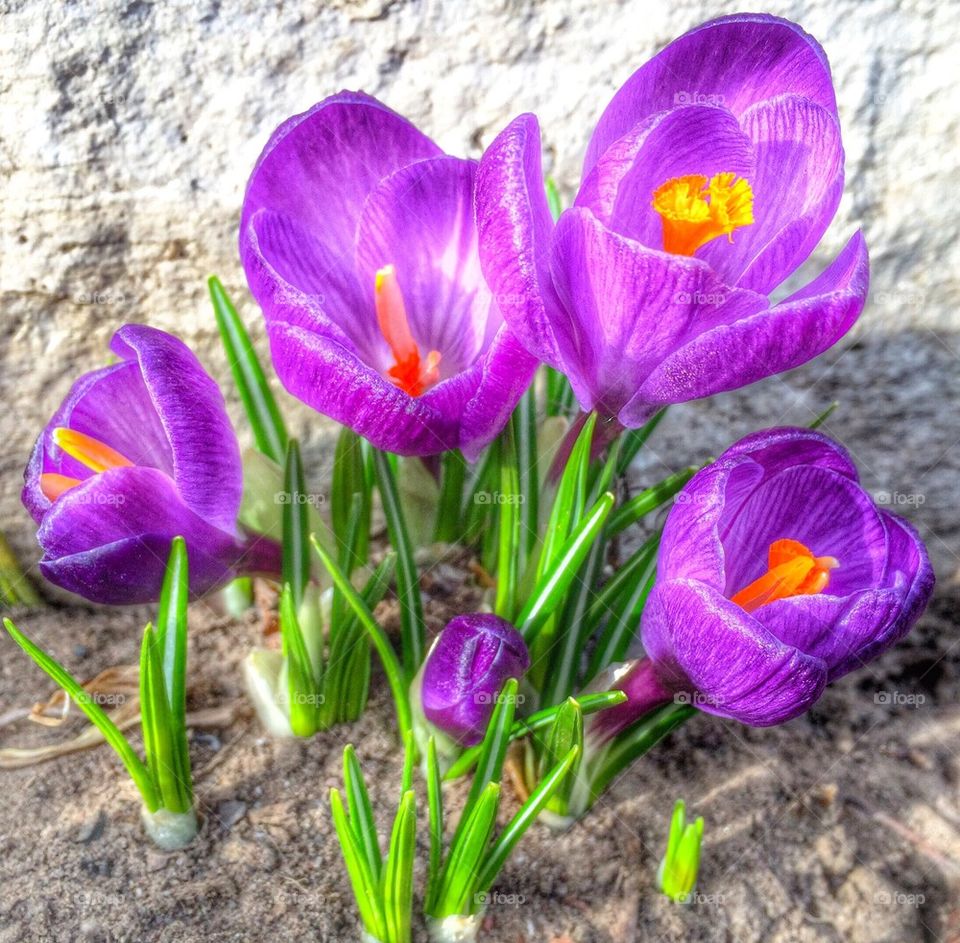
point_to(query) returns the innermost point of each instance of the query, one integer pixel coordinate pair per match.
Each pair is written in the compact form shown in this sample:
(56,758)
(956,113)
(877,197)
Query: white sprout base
(170,830)
(261,673)
(455,929)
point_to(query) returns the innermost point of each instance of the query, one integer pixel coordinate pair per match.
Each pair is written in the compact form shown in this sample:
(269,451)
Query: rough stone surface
(127,131)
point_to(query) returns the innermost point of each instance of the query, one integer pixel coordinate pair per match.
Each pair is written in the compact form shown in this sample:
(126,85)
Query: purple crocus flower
(359,243)
(139,452)
(710,177)
(469,663)
(777,574)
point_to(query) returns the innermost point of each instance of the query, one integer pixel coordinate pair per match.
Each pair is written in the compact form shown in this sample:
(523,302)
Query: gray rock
(129,129)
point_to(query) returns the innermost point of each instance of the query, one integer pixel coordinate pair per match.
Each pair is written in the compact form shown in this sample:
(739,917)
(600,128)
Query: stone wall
(128,129)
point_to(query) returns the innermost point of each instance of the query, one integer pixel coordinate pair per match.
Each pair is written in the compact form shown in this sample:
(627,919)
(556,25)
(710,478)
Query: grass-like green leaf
(171,631)
(388,657)
(361,811)
(435,807)
(507,840)
(640,505)
(351,488)
(552,586)
(412,630)
(634,439)
(565,733)
(95,714)
(553,198)
(825,415)
(296,524)
(261,408)
(524,422)
(589,704)
(397,884)
(453,476)
(509,550)
(303,687)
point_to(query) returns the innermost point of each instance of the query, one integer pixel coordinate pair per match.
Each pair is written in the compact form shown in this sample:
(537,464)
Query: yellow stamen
(53,485)
(408,372)
(793,570)
(89,451)
(695,211)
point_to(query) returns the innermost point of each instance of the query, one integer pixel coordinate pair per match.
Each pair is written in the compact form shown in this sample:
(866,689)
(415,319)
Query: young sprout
(163,778)
(319,679)
(677,876)
(459,877)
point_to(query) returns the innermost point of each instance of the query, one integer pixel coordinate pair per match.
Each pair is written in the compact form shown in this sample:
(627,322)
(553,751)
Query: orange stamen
(695,212)
(409,372)
(53,485)
(93,453)
(793,570)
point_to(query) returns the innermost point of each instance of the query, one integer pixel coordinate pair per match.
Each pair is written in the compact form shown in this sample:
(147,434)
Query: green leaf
(15,586)
(635,741)
(453,476)
(296,524)
(171,633)
(95,714)
(508,552)
(498,853)
(366,888)
(258,402)
(634,439)
(642,504)
(825,415)
(361,811)
(589,704)
(552,587)
(565,734)
(435,805)
(388,657)
(398,873)
(303,688)
(468,851)
(408,580)
(553,198)
(524,422)
(351,486)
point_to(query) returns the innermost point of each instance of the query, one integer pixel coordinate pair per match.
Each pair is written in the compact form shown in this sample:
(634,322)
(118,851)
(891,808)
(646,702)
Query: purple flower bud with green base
(710,177)
(777,574)
(139,452)
(359,243)
(467,667)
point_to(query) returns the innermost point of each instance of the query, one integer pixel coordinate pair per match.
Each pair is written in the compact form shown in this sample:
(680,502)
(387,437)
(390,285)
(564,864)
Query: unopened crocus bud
(465,670)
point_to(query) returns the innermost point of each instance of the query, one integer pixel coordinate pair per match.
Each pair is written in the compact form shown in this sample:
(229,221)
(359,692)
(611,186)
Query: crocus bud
(677,876)
(465,670)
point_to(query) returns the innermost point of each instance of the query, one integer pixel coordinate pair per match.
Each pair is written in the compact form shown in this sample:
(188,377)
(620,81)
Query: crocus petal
(703,644)
(797,184)
(806,324)
(112,405)
(828,513)
(515,228)
(624,308)
(206,457)
(709,505)
(318,167)
(448,304)
(734,61)
(108,538)
(688,140)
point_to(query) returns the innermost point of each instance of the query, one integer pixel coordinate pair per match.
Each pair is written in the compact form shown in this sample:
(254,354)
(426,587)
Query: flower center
(96,455)
(695,212)
(793,570)
(412,374)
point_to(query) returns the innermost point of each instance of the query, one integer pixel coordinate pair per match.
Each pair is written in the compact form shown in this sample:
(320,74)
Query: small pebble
(229,812)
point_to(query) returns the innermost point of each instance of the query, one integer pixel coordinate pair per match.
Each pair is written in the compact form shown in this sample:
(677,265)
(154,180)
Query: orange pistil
(93,453)
(793,570)
(409,372)
(695,212)
(52,485)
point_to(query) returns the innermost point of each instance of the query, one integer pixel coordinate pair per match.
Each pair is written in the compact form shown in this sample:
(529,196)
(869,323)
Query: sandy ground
(841,826)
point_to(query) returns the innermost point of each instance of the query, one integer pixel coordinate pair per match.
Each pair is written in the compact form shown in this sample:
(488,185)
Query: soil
(841,825)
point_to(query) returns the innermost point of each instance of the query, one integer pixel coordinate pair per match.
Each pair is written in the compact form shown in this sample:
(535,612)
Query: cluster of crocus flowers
(710,177)
(139,452)
(359,242)
(777,574)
